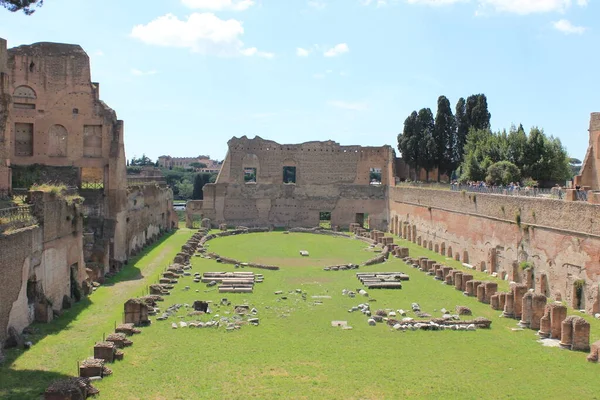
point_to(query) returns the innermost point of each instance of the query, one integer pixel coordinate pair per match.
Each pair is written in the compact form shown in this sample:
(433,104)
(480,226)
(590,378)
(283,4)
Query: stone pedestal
(430,264)
(490,289)
(538,305)
(509,305)
(136,312)
(581,335)
(105,351)
(527,310)
(495,302)
(558,313)
(458,281)
(519,291)
(481,293)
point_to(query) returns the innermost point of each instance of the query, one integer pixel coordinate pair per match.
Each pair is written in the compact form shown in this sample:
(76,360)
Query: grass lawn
(295,352)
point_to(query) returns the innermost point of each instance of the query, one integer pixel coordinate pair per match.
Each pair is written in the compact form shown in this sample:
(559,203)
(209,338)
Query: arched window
(24,92)
(57,141)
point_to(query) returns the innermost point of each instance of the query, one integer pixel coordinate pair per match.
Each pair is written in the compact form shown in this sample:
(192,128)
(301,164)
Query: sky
(188,75)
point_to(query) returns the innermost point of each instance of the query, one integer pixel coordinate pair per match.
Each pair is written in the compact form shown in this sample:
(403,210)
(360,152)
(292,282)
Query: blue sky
(187,75)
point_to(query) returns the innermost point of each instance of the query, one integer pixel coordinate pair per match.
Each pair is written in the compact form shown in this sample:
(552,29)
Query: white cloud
(253,51)
(337,50)
(317,5)
(203,33)
(98,53)
(435,2)
(219,5)
(521,7)
(378,3)
(347,105)
(138,72)
(568,28)
(300,52)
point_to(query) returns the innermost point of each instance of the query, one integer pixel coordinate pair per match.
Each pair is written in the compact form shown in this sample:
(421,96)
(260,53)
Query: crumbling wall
(58,120)
(149,214)
(329,178)
(495,233)
(38,262)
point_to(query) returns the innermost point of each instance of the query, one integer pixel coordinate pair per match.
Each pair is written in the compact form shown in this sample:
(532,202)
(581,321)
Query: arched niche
(24,92)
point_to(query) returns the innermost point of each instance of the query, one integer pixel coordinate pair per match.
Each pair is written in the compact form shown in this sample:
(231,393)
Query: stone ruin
(575,333)
(382,280)
(136,312)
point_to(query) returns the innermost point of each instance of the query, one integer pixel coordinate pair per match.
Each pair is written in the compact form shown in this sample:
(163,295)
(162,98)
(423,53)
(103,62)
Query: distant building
(212,166)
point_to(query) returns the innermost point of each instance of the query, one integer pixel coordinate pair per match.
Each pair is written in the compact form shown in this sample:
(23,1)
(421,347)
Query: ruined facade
(266,183)
(589,175)
(55,129)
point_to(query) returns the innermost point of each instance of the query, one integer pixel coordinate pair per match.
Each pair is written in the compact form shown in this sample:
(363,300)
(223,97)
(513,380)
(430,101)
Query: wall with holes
(496,233)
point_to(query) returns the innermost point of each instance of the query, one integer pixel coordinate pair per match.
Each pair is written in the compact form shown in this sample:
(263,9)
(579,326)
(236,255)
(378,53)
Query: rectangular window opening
(250,175)
(289,174)
(375,176)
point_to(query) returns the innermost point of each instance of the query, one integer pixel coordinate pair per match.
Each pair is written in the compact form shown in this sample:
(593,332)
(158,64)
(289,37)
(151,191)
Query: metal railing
(552,193)
(94,185)
(16,214)
(149,180)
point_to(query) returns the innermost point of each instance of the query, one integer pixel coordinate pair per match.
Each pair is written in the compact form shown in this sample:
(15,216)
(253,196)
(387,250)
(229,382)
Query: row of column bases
(531,309)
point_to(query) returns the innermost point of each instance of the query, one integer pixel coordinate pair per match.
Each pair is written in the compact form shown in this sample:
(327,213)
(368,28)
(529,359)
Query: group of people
(482,186)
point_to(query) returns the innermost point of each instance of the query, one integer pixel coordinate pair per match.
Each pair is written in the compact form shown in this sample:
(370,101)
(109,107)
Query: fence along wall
(495,233)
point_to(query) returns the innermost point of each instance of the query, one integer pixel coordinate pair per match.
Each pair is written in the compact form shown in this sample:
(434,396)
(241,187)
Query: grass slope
(70,338)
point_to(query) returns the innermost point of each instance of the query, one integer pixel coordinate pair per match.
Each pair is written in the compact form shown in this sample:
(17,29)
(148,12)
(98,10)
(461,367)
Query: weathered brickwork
(495,233)
(328,178)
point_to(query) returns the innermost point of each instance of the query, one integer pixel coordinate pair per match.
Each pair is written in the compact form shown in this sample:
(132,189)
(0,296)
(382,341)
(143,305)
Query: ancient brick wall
(495,233)
(590,170)
(5,104)
(328,178)
(149,214)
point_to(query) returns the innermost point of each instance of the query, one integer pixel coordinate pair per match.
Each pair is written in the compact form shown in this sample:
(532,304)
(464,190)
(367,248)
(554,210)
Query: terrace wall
(495,233)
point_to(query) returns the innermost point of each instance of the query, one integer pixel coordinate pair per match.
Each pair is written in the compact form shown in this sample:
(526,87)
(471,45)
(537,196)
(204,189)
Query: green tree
(198,165)
(185,189)
(503,173)
(462,130)
(198,185)
(444,135)
(574,166)
(142,161)
(477,113)
(427,144)
(21,5)
(408,142)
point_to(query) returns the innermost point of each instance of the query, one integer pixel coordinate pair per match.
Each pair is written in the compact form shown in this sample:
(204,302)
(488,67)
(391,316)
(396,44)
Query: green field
(295,352)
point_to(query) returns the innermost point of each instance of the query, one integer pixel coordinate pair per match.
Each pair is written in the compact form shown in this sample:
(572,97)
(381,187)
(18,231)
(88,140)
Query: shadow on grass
(131,272)
(28,384)
(25,385)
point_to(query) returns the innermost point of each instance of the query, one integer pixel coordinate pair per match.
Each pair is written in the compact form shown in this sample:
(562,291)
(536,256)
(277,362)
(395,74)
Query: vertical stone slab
(495,302)
(501,300)
(430,264)
(566,333)
(558,313)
